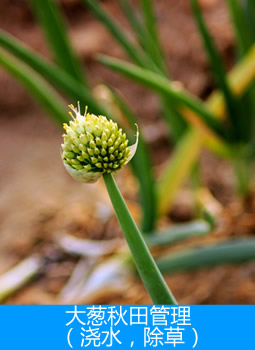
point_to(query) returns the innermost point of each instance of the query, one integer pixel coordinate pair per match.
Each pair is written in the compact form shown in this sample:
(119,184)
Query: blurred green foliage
(46,81)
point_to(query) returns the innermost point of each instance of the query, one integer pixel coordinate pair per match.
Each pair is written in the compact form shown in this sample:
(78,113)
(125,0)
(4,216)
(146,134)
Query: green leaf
(250,14)
(227,253)
(151,40)
(36,85)
(235,111)
(177,168)
(139,30)
(133,20)
(150,19)
(174,119)
(243,33)
(248,101)
(164,87)
(53,24)
(180,163)
(179,233)
(143,170)
(55,75)
(136,54)
(187,152)
(244,24)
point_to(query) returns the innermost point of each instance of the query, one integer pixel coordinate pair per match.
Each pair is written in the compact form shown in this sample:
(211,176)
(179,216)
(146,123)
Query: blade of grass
(143,36)
(243,34)
(153,39)
(163,86)
(136,54)
(229,252)
(250,14)
(179,166)
(242,75)
(133,20)
(150,43)
(241,79)
(244,166)
(179,233)
(235,111)
(55,75)
(53,24)
(36,85)
(245,40)
(174,120)
(143,170)
(248,101)
(150,19)
(148,270)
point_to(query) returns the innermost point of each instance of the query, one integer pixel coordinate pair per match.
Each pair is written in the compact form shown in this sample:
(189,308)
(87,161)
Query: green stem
(147,268)
(243,172)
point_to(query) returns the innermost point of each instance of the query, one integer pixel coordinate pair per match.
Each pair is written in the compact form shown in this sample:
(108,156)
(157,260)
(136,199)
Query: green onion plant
(41,77)
(234,132)
(224,123)
(94,147)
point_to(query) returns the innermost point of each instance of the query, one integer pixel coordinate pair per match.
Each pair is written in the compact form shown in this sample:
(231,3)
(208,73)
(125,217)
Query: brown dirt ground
(39,200)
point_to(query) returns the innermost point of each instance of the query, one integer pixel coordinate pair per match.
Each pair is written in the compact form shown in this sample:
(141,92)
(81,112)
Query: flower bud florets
(93,145)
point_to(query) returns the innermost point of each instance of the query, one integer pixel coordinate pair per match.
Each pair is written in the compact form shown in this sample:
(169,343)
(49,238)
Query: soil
(40,202)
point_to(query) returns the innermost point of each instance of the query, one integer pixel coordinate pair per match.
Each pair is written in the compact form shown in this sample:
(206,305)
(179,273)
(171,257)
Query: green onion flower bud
(94,145)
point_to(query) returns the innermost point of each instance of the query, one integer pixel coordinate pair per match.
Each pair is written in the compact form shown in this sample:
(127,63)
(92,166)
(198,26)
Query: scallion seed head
(94,145)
